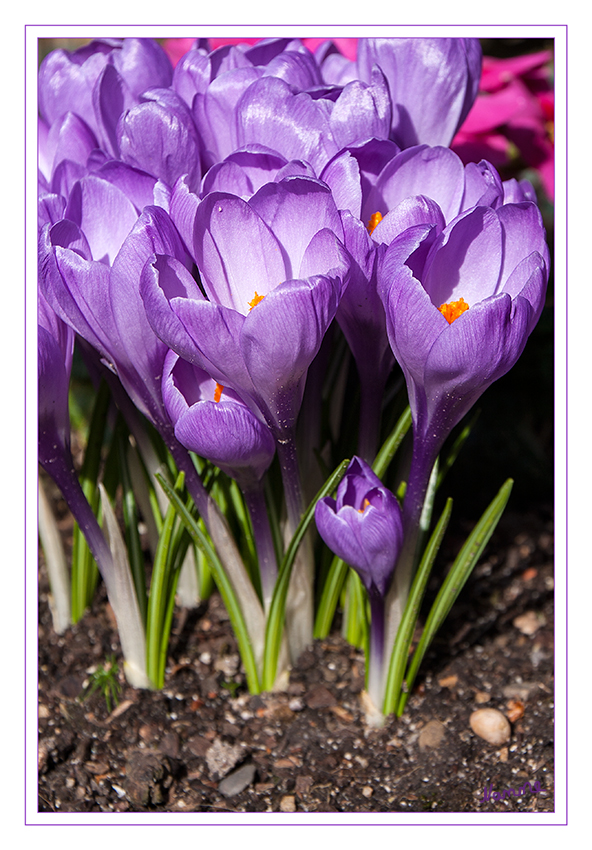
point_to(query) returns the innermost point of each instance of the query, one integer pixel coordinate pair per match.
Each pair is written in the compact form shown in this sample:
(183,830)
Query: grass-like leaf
(275,620)
(330,597)
(391,444)
(85,574)
(455,581)
(406,628)
(227,592)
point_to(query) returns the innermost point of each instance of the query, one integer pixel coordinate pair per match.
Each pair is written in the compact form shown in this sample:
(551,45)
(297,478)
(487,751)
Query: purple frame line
(296,823)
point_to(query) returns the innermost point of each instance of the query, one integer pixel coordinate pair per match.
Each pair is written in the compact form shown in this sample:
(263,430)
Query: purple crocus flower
(212,84)
(100,80)
(215,423)
(432,82)
(460,305)
(273,270)
(159,136)
(363,527)
(313,126)
(420,185)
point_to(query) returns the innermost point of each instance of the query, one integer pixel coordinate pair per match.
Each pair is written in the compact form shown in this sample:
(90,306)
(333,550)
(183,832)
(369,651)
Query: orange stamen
(453,309)
(218,392)
(255,301)
(374,221)
(366,502)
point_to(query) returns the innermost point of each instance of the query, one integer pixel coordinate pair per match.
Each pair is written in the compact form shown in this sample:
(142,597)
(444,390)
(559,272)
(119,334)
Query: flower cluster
(217,236)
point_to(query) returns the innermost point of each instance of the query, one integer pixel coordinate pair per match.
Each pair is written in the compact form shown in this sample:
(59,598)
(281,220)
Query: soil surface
(203,744)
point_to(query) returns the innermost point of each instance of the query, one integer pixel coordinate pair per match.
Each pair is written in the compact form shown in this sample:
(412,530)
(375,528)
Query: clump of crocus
(364,527)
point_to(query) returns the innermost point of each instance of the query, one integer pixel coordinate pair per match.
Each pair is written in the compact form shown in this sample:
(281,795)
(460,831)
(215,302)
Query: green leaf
(275,620)
(229,597)
(355,615)
(130,517)
(408,622)
(84,570)
(158,600)
(330,597)
(455,581)
(392,443)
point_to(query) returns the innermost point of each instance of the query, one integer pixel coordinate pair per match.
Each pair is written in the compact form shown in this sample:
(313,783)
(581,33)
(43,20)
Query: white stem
(57,569)
(123,599)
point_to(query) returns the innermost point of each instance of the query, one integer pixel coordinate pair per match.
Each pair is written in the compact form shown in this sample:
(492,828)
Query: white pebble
(491,725)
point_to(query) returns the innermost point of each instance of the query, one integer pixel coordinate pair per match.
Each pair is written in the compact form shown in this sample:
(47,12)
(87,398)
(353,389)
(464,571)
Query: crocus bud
(213,421)
(363,526)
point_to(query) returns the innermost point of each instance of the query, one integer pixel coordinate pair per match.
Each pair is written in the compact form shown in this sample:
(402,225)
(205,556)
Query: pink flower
(514,110)
(175,48)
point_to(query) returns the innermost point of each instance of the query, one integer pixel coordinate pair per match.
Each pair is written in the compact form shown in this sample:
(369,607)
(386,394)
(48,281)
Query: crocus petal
(362,111)
(434,172)
(158,136)
(282,335)
(301,199)
(411,212)
(473,352)
(271,113)
(342,174)
(483,186)
(523,233)
(235,251)
(466,262)
(103,213)
(110,98)
(165,279)
(69,138)
(214,111)
(153,233)
(78,290)
(213,341)
(433,83)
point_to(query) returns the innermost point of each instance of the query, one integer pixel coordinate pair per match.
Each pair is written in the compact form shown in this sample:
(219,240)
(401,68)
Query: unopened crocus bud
(363,526)
(213,421)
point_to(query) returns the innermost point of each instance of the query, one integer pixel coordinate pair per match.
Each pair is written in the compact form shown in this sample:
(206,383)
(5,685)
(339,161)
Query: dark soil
(190,747)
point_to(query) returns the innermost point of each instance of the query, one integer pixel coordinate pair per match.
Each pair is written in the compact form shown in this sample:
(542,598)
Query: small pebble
(367,791)
(491,725)
(288,803)
(481,697)
(431,735)
(528,623)
(221,758)
(238,780)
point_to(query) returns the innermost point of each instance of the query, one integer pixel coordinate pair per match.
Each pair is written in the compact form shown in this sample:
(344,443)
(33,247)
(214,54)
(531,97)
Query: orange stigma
(366,502)
(255,301)
(218,392)
(453,309)
(374,221)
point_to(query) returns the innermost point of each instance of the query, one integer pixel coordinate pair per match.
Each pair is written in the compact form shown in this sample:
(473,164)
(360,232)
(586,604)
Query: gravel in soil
(203,744)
